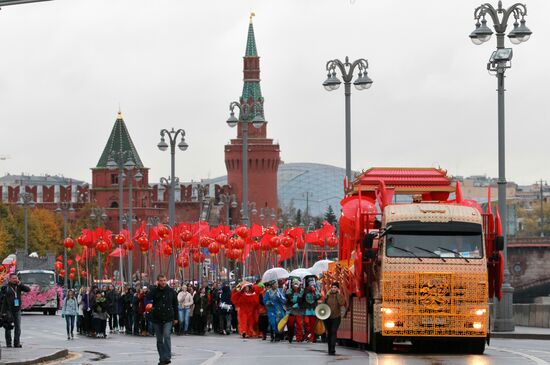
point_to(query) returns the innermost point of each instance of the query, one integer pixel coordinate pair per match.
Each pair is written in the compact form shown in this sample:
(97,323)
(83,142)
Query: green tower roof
(119,141)
(251,88)
(251,50)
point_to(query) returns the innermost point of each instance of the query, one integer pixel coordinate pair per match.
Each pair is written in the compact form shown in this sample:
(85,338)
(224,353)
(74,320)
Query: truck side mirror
(368,241)
(499,243)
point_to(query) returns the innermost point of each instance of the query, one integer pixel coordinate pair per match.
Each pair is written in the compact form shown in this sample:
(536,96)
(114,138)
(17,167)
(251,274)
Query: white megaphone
(322,311)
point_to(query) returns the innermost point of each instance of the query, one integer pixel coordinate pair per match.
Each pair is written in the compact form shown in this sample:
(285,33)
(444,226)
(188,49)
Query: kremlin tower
(263,154)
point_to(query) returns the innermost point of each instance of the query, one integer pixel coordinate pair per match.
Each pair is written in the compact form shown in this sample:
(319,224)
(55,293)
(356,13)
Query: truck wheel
(377,342)
(45,313)
(476,346)
(51,312)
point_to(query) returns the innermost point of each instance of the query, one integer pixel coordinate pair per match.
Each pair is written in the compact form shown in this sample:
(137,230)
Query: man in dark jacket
(163,315)
(11,304)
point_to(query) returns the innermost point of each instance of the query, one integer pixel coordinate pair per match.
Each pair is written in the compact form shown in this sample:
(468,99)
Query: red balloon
(81,240)
(120,239)
(301,245)
(204,241)
(58,265)
(163,231)
(275,241)
(242,231)
(332,241)
(101,246)
(69,262)
(142,240)
(221,239)
(236,253)
(68,243)
(128,245)
(59,258)
(230,243)
(83,273)
(186,235)
(271,230)
(167,250)
(182,260)
(266,246)
(239,244)
(71,276)
(214,247)
(256,246)
(149,307)
(287,241)
(62,273)
(198,256)
(72,270)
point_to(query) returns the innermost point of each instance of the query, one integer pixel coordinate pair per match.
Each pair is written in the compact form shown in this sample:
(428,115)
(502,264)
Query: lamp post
(25,200)
(542,206)
(362,82)
(117,160)
(229,201)
(163,146)
(152,222)
(137,175)
(99,215)
(65,207)
(498,63)
(267,214)
(245,112)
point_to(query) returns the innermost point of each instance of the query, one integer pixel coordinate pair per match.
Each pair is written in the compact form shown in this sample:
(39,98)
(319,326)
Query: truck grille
(434,304)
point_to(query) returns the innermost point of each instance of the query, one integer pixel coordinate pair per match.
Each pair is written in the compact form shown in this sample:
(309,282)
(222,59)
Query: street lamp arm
(517,9)
(178,133)
(347,75)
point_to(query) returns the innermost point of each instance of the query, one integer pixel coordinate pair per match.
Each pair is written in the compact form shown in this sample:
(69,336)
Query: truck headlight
(386,310)
(480,312)
(389,324)
(477,325)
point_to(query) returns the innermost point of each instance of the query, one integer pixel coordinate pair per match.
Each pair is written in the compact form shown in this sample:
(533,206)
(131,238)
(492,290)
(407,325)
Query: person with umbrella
(274,301)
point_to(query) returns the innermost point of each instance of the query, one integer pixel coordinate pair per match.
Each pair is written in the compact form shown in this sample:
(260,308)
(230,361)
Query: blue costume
(274,301)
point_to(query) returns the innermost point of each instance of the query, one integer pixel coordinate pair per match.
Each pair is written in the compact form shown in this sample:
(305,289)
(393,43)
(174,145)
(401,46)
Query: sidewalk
(31,354)
(525,333)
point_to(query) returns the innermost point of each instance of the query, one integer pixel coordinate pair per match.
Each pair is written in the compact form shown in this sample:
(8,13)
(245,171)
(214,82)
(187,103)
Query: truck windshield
(435,240)
(41,279)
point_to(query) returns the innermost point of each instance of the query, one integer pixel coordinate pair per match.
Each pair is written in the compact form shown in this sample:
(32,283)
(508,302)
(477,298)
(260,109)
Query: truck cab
(433,279)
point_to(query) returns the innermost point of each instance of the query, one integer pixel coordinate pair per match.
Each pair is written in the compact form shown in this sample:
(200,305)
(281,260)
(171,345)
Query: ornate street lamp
(99,215)
(362,82)
(163,146)
(498,63)
(25,200)
(246,111)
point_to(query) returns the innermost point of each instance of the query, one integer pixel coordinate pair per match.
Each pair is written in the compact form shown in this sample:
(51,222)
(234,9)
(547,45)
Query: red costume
(247,303)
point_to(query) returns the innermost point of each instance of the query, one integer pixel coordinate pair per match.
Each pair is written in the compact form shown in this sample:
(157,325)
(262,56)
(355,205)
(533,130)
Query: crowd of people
(279,309)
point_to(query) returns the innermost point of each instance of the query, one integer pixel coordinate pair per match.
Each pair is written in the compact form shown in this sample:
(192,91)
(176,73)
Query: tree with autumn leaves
(45,230)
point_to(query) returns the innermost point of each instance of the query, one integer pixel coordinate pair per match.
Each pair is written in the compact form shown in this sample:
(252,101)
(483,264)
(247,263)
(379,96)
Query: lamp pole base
(504,321)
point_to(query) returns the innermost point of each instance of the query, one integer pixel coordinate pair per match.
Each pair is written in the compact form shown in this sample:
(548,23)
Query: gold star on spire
(252,14)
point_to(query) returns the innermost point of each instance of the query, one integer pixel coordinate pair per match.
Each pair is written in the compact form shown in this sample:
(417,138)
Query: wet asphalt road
(212,349)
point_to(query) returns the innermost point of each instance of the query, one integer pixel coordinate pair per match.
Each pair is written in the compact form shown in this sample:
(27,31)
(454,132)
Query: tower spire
(252,93)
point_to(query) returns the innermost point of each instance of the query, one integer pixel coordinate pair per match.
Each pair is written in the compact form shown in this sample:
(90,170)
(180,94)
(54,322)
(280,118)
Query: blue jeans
(16,329)
(164,346)
(69,320)
(183,315)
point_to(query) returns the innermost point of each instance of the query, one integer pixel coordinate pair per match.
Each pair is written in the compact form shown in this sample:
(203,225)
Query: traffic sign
(17,2)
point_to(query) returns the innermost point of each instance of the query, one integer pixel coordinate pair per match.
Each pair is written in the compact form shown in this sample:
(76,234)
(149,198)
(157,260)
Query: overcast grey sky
(67,64)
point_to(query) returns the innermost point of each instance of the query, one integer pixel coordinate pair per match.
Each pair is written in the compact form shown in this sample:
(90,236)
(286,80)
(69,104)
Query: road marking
(213,359)
(534,359)
(373,358)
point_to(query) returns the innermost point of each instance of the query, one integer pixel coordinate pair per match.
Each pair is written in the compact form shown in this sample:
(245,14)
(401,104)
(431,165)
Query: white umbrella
(274,274)
(300,273)
(320,267)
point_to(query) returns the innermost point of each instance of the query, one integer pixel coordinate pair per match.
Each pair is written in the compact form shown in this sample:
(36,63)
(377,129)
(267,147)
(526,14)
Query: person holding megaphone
(335,300)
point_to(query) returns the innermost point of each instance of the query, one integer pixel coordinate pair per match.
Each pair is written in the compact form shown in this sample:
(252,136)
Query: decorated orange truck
(422,262)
